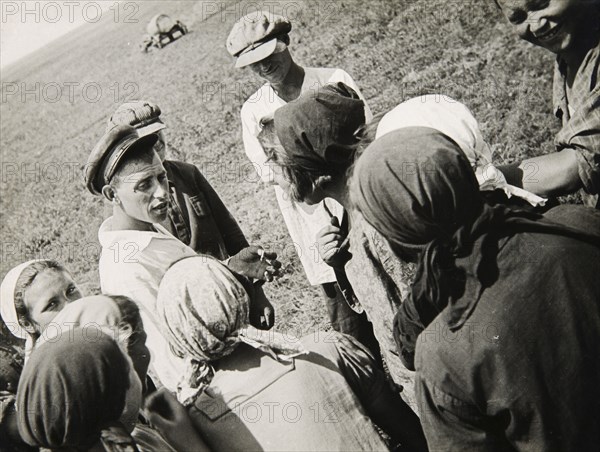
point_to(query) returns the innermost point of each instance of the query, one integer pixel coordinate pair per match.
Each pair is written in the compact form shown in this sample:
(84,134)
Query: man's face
(142,190)
(274,68)
(551,24)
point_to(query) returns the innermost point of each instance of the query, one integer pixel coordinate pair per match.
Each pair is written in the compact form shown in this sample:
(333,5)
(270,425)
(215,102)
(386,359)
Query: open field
(394,49)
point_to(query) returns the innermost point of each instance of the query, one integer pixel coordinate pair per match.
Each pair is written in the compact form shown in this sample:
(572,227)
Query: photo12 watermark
(68,12)
(53,92)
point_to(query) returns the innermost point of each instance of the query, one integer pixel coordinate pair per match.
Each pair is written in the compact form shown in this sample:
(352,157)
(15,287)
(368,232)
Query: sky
(28,25)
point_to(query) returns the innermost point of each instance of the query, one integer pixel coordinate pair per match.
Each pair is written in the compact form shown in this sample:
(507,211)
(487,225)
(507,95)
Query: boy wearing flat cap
(260,41)
(136,250)
(571,30)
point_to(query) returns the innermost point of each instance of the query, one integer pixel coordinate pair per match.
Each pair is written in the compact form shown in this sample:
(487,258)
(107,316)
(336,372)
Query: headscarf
(7,302)
(455,120)
(204,312)
(72,391)
(93,315)
(416,187)
(317,130)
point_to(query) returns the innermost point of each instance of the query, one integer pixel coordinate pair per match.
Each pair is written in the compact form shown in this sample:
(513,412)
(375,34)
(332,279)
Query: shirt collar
(108,237)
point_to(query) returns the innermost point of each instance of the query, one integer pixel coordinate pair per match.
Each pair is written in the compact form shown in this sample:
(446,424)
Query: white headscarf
(7,302)
(457,122)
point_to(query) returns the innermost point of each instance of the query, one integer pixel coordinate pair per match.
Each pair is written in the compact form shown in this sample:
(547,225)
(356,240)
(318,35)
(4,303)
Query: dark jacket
(198,217)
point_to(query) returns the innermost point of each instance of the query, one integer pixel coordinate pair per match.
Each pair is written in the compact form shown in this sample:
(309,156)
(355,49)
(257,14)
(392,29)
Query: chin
(158,218)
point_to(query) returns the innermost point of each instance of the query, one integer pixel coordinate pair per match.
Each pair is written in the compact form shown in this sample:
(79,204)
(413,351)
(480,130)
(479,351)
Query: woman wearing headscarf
(274,391)
(79,393)
(32,294)
(313,142)
(505,304)
(117,317)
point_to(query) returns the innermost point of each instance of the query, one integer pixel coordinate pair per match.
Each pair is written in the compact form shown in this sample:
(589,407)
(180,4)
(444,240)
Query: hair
(131,320)
(137,155)
(23,283)
(302,182)
(285,38)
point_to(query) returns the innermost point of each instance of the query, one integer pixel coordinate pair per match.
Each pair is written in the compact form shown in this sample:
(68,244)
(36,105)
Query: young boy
(571,30)
(260,42)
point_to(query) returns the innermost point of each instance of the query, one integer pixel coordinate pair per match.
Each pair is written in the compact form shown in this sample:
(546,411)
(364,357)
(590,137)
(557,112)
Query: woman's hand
(329,241)
(255,262)
(171,419)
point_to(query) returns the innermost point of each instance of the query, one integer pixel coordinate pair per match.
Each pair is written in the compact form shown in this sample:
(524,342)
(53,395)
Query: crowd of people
(433,261)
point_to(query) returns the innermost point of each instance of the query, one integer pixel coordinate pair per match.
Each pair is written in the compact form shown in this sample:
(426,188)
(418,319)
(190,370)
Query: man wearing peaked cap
(260,41)
(124,168)
(110,151)
(197,216)
(137,250)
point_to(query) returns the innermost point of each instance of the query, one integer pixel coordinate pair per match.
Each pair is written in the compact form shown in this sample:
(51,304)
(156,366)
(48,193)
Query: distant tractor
(161,31)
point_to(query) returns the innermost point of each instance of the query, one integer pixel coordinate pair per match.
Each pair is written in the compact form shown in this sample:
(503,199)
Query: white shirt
(132,264)
(303,221)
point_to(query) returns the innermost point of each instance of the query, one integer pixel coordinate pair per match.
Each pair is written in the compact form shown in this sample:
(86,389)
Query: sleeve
(582,133)
(252,147)
(345,77)
(232,234)
(358,367)
(380,399)
(452,424)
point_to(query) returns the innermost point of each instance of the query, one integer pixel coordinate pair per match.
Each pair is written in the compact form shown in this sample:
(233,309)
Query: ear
(109,193)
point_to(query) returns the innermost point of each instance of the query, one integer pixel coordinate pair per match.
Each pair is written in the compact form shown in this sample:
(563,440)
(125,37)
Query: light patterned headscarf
(204,313)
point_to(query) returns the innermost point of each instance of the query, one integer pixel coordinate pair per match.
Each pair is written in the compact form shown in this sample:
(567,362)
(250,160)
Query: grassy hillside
(394,49)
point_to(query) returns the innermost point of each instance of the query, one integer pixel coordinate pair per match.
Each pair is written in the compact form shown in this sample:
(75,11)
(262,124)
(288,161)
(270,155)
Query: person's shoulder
(576,216)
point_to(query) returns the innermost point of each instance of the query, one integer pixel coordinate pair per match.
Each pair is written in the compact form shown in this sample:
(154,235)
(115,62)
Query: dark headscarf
(71,390)
(416,187)
(317,130)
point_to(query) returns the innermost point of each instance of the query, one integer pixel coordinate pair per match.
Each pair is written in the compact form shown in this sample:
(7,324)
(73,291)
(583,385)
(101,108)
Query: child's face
(551,24)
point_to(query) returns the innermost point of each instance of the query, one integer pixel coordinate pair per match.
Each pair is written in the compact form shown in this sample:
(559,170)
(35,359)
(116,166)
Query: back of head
(415,185)
(71,389)
(318,135)
(93,315)
(318,130)
(202,307)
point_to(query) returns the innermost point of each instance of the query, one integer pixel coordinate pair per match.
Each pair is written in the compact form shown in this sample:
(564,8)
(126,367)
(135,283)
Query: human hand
(262,312)
(173,422)
(255,262)
(329,241)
